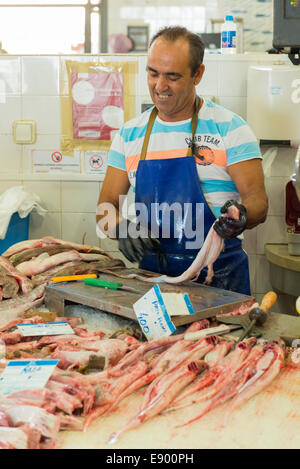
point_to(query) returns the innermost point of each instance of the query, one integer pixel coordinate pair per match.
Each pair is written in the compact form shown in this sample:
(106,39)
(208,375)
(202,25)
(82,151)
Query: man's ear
(199,74)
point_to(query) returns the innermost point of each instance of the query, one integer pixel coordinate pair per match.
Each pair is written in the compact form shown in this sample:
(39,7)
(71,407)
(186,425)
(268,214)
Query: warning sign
(95,161)
(49,160)
(56,156)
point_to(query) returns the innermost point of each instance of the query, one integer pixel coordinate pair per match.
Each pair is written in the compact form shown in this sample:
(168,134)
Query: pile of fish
(27,267)
(96,372)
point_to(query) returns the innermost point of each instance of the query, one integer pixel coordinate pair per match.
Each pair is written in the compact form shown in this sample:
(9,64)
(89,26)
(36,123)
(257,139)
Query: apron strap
(194,123)
(152,118)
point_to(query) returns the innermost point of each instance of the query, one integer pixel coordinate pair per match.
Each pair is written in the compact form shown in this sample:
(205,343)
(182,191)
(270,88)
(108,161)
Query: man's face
(171,86)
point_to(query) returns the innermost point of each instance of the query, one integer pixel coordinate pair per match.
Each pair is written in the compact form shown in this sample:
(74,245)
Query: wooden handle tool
(259,315)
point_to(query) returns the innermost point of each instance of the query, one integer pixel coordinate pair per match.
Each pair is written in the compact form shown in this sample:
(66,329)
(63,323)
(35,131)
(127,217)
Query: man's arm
(115,184)
(248,177)
(132,244)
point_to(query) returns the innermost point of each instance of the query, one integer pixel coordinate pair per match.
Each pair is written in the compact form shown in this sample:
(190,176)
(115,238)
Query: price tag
(152,315)
(21,375)
(47,328)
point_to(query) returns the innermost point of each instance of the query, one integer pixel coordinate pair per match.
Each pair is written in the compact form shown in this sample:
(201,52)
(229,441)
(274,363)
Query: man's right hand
(132,247)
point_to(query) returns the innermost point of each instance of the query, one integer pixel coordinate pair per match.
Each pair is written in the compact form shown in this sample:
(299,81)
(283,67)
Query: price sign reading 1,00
(143,322)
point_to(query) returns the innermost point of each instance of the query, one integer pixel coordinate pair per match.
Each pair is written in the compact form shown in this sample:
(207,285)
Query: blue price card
(151,312)
(20,375)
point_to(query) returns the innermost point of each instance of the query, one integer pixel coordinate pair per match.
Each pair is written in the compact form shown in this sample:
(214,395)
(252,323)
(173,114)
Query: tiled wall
(32,90)
(256,15)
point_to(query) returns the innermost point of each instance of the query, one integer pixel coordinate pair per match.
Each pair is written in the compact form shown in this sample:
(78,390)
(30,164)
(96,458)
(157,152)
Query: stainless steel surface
(206,301)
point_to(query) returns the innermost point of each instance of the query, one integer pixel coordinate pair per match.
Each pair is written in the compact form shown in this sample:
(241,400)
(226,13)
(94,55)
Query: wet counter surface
(269,420)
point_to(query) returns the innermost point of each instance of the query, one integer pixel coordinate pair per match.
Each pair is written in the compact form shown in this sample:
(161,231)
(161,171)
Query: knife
(110,285)
(218,330)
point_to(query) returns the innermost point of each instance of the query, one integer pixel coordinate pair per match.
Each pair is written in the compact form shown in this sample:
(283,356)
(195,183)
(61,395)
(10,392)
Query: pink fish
(23,281)
(215,378)
(208,254)
(46,241)
(267,368)
(14,307)
(179,379)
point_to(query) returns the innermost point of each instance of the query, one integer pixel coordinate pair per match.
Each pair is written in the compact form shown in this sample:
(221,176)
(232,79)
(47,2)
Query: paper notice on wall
(101,97)
(95,162)
(50,160)
(97,104)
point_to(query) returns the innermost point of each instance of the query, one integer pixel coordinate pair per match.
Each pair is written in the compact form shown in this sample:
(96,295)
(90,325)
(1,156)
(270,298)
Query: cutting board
(270,420)
(207,301)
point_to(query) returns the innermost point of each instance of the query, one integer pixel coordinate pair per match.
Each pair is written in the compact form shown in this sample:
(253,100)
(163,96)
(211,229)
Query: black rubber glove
(228,228)
(134,248)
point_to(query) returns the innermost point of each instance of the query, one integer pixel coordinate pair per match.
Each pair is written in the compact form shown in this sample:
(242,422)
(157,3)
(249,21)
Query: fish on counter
(173,371)
(15,307)
(96,372)
(47,241)
(8,271)
(28,266)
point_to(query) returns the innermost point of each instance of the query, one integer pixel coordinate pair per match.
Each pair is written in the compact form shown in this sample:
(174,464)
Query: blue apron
(175,182)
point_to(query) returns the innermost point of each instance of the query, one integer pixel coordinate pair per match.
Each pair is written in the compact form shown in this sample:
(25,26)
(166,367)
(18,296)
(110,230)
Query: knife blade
(218,330)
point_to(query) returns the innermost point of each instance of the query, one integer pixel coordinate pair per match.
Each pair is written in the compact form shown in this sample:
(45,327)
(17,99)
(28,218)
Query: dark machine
(286,28)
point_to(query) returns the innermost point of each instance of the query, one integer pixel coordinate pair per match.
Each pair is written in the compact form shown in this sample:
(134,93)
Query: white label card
(152,315)
(47,328)
(22,375)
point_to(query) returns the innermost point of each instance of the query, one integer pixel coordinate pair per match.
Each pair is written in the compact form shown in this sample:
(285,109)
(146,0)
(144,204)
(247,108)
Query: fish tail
(95,413)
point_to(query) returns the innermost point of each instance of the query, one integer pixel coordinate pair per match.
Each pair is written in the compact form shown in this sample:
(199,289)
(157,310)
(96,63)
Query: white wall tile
(143,86)
(10,72)
(250,241)
(45,110)
(49,193)
(252,273)
(209,83)
(284,162)
(275,187)
(49,225)
(233,78)
(80,197)
(273,230)
(234,104)
(40,75)
(262,275)
(75,225)
(5,185)
(10,110)
(10,155)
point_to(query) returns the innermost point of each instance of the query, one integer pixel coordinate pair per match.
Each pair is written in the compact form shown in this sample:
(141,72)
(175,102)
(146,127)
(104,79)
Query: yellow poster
(101,97)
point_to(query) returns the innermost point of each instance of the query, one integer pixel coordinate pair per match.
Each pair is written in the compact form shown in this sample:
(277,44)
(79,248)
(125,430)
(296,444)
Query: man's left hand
(229,228)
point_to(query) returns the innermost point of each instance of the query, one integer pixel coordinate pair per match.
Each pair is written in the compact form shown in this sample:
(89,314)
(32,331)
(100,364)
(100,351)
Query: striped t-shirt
(222,139)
